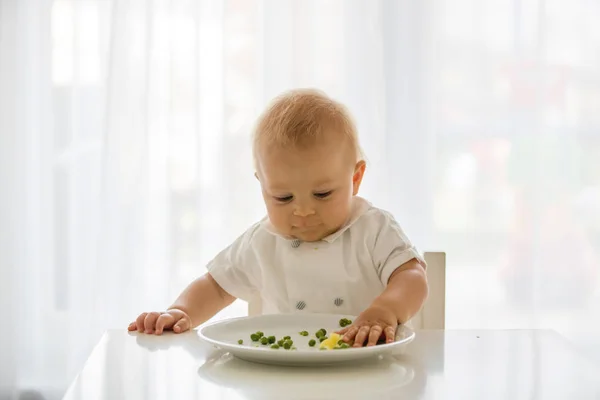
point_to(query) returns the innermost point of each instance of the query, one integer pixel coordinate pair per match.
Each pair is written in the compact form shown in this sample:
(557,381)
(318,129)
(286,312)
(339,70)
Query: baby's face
(308,192)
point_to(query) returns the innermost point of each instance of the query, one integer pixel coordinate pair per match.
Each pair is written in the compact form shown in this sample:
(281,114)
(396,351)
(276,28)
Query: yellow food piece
(331,342)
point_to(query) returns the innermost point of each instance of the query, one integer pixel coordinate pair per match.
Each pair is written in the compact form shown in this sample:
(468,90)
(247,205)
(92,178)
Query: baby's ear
(359,171)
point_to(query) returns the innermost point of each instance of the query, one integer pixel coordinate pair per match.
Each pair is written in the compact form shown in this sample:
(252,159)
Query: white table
(489,364)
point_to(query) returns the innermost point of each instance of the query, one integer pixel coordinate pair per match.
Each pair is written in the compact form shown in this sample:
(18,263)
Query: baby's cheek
(338,212)
(278,219)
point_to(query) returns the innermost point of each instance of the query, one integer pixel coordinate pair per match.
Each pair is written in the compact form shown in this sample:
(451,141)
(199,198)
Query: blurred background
(125,159)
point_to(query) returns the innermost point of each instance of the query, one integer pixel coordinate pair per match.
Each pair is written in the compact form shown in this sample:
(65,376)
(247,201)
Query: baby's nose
(303,211)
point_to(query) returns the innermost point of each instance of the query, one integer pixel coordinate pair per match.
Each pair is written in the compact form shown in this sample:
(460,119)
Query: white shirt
(341,274)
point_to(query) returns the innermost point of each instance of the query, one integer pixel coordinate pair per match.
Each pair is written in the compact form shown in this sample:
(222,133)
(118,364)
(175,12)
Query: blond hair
(298,118)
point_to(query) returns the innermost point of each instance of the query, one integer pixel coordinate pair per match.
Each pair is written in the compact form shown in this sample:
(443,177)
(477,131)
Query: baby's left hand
(372,324)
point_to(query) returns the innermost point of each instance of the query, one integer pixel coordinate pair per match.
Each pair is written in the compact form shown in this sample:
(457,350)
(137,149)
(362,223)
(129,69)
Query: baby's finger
(164,321)
(350,334)
(362,334)
(182,325)
(139,322)
(132,327)
(390,334)
(343,330)
(150,321)
(374,335)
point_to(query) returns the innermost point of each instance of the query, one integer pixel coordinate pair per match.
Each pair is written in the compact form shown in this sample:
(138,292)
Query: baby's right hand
(155,322)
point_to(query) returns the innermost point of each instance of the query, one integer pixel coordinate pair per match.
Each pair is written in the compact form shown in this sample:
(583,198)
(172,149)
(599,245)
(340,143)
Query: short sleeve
(235,268)
(391,247)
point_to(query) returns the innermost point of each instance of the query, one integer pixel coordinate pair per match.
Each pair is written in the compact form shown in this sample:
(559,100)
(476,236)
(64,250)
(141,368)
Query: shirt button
(338,301)
(300,305)
(296,243)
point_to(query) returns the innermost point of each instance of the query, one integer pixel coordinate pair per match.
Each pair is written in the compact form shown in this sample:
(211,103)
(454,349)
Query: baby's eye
(284,199)
(323,194)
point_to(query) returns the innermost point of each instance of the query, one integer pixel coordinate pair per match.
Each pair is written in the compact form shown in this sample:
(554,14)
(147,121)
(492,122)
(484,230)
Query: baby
(321,248)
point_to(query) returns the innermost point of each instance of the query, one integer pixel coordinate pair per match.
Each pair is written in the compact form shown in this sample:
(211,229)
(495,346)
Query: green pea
(254,337)
(341,341)
(323,348)
(240,341)
(271,339)
(304,333)
(345,322)
(287,345)
(264,340)
(312,342)
(260,334)
(286,337)
(341,346)
(275,346)
(322,338)
(321,332)
(280,342)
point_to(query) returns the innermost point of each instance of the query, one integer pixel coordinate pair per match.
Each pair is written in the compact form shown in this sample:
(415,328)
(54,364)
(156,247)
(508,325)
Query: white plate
(225,335)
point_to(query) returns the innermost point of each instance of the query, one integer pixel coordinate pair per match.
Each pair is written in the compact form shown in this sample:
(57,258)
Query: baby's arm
(406,291)
(202,299)
(199,302)
(402,298)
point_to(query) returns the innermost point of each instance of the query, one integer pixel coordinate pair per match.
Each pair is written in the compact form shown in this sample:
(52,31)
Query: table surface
(451,364)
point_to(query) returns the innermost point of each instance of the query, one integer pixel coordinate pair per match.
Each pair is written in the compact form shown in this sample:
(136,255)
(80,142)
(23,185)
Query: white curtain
(125,160)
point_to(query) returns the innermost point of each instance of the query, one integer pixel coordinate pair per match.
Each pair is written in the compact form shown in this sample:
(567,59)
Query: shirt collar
(358,208)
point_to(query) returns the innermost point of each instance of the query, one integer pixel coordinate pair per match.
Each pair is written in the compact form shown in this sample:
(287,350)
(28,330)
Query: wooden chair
(433,313)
